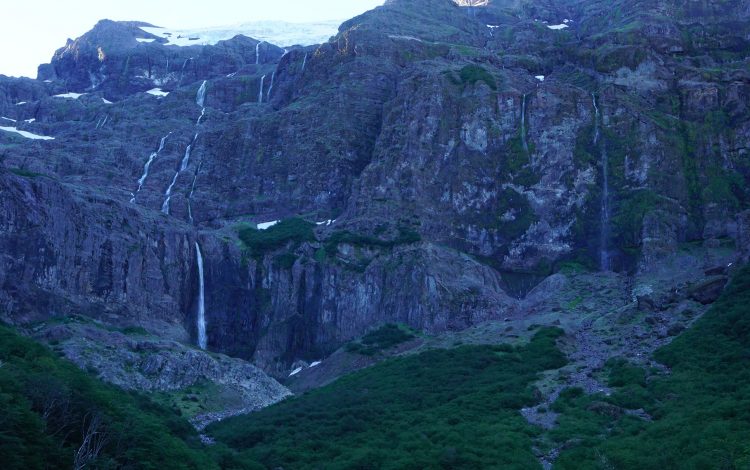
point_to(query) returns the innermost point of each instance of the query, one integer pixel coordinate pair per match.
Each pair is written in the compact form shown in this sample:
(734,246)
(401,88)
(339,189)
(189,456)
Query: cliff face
(462,154)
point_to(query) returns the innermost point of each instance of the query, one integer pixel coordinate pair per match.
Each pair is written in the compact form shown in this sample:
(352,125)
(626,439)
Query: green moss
(629,214)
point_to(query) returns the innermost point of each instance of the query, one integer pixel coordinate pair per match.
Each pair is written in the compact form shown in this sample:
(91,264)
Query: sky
(31,30)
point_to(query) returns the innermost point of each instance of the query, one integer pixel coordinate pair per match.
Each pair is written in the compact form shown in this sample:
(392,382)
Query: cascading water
(605,262)
(273,79)
(523,126)
(260,92)
(183,166)
(200,98)
(146,168)
(304,63)
(201,317)
(257,53)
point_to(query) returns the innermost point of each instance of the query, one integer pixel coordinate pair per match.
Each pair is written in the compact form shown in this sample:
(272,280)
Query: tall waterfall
(605,215)
(273,79)
(304,62)
(260,93)
(523,126)
(201,320)
(147,167)
(257,53)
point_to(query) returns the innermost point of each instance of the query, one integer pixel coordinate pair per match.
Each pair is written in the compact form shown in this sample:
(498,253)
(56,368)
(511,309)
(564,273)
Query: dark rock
(709,290)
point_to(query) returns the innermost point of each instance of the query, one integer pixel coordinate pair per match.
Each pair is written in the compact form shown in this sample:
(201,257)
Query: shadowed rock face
(474,127)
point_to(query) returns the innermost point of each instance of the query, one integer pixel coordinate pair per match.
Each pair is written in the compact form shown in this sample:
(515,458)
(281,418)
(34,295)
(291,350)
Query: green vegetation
(260,242)
(471,74)
(25,173)
(700,411)
(455,408)
(405,237)
(49,408)
(629,214)
(384,337)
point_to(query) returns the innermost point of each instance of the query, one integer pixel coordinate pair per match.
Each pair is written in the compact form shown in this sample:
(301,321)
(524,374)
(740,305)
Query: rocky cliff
(436,162)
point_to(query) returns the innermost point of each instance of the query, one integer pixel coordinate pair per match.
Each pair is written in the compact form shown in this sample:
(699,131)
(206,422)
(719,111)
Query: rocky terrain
(467,170)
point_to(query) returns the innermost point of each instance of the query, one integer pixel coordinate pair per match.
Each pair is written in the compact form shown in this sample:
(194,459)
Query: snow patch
(316,363)
(144,40)
(25,134)
(325,222)
(30,120)
(296,371)
(8,119)
(69,96)
(19,104)
(157,92)
(106,101)
(557,26)
(267,225)
(539,77)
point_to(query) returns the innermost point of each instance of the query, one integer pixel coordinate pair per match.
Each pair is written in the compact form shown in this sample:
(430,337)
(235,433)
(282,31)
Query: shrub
(260,242)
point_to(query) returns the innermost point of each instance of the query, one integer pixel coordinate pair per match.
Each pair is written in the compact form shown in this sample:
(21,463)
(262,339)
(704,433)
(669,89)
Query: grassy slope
(453,408)
(701,410)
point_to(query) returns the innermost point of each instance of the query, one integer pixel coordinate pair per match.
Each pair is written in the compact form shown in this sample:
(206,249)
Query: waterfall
(596,119)
(183,166)
(304,62)
(605,263)
(200,98)
(182,71)
(257,53)
(523,126)
(260,93)
(146,168)
(273,78)
(192,190)
(201,320)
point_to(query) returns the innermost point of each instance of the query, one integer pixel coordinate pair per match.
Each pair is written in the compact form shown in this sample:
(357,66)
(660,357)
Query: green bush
(454,408)
(472,74)
(701,410)
(48,404)
(261,242)
(384,337)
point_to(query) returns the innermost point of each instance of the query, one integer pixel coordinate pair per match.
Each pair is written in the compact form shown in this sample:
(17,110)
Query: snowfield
(275,32)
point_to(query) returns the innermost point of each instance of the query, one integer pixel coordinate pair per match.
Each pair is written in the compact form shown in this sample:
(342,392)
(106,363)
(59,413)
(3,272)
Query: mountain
(468,172)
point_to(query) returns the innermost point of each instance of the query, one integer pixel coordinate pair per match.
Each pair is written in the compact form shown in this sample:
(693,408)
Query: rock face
(461,153)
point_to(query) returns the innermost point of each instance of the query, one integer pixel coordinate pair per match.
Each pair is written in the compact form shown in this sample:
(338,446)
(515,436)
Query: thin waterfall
(257,53)
(192,190)
(605,215)
(523,126)
(260,93)
(200,98)
(273,79)
(304,63)
(201,320)
(183,166)
(146,168)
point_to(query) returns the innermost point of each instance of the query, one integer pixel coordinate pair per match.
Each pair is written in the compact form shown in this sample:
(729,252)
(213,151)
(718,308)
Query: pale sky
(31,30)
